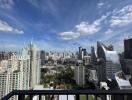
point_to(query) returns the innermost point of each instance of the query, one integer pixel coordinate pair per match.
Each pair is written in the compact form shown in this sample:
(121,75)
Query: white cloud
(100,4)
(122,17)
(5,27)
(6,3)
(18,31)
(84,28)
(98,21)
(69,35)
(109,31)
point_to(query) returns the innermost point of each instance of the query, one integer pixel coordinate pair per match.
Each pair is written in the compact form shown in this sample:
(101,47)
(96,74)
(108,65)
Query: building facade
(21,71)
(34,65)
(110,61)
(80,75)
(128,48)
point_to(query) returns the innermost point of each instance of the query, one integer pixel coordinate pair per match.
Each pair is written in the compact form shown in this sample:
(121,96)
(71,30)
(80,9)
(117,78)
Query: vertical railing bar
(40,98)
(77,97)
(114,97)
(30,97)
(105,96)
(52,97)
(21,97)
(87,97)
(95,97)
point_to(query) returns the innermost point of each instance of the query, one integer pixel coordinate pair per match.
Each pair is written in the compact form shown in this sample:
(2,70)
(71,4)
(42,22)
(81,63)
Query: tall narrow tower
(34,65)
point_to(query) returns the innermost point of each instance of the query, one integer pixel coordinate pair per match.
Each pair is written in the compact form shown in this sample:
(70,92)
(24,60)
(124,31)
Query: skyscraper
(128,48)
(128,56)
(34,65)
(93,55)
(42,57)
(3,77)
(111,60)
(83,53)
(80,53)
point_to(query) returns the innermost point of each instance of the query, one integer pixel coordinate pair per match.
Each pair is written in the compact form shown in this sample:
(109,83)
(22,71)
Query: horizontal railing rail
(21,93)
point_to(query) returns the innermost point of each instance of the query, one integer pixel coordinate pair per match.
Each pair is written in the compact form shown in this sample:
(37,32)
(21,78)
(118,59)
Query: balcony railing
(51,94)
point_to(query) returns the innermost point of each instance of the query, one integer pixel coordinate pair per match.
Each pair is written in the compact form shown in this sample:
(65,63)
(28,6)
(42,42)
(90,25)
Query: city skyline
(34,69)
(64,25)
(65,49)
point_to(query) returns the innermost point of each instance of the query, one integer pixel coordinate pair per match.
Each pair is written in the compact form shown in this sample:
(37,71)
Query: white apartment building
(13,82)
(80,75)
(21,71)
(3,77)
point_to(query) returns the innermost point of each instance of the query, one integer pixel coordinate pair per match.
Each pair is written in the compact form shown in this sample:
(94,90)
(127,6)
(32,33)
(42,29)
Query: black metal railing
(51,94)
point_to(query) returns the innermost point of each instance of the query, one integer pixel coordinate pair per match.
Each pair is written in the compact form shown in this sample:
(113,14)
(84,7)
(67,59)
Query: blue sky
(64,24)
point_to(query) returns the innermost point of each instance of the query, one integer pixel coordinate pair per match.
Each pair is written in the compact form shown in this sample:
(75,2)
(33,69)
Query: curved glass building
(110,64)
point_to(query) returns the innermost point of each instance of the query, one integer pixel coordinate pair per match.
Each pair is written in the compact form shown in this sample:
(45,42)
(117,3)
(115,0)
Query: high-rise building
(93,55)
(125,64)
(80,75)
(13,82)
(9,81)
(80,53)
(42,57)
(101,70)
(20,71)
(3,77)
(24,67)
(34,65)
(128,48)
(83,53)
(127,61)
(110,59)
(15,73)
(126,58)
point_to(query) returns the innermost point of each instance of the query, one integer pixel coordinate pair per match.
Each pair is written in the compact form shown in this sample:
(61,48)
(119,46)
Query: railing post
(30,97)
(77,96)
(95,97)
(21,97)
(40,97)
(87,97)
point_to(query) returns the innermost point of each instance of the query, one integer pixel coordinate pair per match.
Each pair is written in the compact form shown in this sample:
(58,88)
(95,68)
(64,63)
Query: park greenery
(64,75)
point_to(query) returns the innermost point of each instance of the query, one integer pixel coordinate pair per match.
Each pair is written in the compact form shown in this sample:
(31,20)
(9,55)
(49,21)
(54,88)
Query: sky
(64,24)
